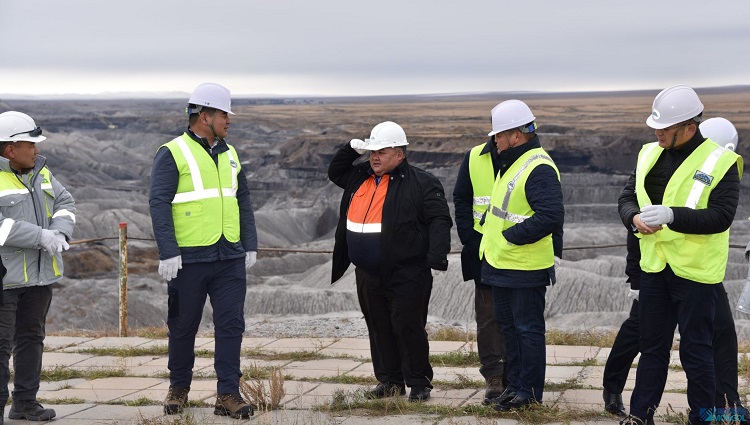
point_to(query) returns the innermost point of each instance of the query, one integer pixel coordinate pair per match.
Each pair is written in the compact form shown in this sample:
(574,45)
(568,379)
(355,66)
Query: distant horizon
(174,95)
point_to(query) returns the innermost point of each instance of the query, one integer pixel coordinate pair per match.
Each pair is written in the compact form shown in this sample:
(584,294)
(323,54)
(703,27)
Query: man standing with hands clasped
(37,216)
(205,230)
(680,202)
(394,226)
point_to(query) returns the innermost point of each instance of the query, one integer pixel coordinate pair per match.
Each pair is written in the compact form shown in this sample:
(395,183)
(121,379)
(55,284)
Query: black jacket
(415,232)
(722,202)
(463,200)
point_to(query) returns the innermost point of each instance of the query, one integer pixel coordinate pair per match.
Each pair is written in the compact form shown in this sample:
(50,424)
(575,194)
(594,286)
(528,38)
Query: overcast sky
(351,47)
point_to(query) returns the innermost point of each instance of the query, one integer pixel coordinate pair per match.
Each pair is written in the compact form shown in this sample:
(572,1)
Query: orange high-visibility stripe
(366,208)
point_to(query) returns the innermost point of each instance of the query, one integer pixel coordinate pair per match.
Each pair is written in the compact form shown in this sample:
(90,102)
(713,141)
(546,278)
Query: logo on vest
(232,163)
(703,177)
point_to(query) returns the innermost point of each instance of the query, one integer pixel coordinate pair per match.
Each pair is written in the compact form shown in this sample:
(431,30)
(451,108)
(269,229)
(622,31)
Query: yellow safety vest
(10,184)
(508,207)
(482,175)
(700,258)
(205,205)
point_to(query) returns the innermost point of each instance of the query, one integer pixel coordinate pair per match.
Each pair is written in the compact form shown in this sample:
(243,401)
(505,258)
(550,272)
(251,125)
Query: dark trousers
(396,327)
(490,341)
(22,331)
(520,313)
(225,282)
(627,346)
(667,301)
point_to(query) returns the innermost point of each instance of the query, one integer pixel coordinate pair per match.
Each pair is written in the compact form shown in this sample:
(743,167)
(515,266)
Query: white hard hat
(674,105)
(211,95)
(17,126)
(721,131)
(386,135)
(510,114)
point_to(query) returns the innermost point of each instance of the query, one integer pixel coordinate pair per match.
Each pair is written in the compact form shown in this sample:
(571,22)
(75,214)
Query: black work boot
(613,403)
(385,389)
(30,410)
(495,388)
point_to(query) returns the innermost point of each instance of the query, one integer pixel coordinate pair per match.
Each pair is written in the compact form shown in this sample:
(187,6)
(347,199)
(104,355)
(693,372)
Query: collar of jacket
(220,147)
(510,156)
(685,150)
(490,147)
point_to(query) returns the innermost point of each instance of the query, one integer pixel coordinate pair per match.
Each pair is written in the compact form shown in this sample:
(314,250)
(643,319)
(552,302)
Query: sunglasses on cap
(32,133)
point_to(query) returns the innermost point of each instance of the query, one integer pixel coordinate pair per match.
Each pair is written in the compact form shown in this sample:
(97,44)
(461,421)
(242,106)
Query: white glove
(747,252)
(168,268)
(633,294)
(436,273)
(358,145)
(557,261)
(63,244)
(656,215)
(250,258)
(48,242)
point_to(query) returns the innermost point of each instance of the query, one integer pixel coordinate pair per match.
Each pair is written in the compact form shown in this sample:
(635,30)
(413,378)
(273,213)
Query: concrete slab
(450,397)
(120,383)
(440,347)
(59,342)
(52,360)
(347,352)
(252,343)
(288,345)
(337,366)
(570,353)
(113,342)
(453,373)
(112,362)
(560,374)
(121,414)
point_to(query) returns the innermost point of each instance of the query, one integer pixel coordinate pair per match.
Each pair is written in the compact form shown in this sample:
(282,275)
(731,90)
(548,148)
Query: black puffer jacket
(415,235)
(722,202)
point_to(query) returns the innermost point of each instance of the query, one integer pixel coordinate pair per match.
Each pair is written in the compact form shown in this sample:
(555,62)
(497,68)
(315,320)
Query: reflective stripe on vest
(205,205)
(686,253)
(482,175)
(509,207)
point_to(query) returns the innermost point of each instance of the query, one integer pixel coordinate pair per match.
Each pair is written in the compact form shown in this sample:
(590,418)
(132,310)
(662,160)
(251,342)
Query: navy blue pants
(396,327)
(520,314)
(627,346)
(225,282)
(666,301)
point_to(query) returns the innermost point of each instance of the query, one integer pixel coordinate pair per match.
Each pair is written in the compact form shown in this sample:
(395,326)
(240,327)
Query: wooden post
(123,279)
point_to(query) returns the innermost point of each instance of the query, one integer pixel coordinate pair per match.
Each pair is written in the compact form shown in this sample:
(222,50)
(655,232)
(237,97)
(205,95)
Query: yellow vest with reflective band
(508,207)
(205,205)
(700,258)
(482,175)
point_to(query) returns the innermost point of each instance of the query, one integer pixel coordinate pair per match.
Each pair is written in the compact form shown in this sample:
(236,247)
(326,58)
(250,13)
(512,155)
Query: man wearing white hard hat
(394,226)
(680,202)
(521,241)
(37,216)
(204,227)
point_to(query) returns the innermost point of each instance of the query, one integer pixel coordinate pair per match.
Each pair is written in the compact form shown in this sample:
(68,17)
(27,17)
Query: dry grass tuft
(255,390)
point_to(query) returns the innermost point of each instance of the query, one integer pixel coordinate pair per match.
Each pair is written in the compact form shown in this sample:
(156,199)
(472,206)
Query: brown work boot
(495,387)
(176,400)
(232,405)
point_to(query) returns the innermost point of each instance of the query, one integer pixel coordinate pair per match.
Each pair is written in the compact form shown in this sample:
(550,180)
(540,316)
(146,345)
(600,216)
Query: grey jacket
(23,215)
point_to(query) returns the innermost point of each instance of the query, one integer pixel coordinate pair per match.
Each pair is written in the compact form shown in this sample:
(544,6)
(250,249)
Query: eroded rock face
(102,152)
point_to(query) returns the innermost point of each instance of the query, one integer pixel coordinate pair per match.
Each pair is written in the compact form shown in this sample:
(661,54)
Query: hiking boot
(30,410)
(176,400)
(419,394)
(495,388)
(232,405)
(385,389)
